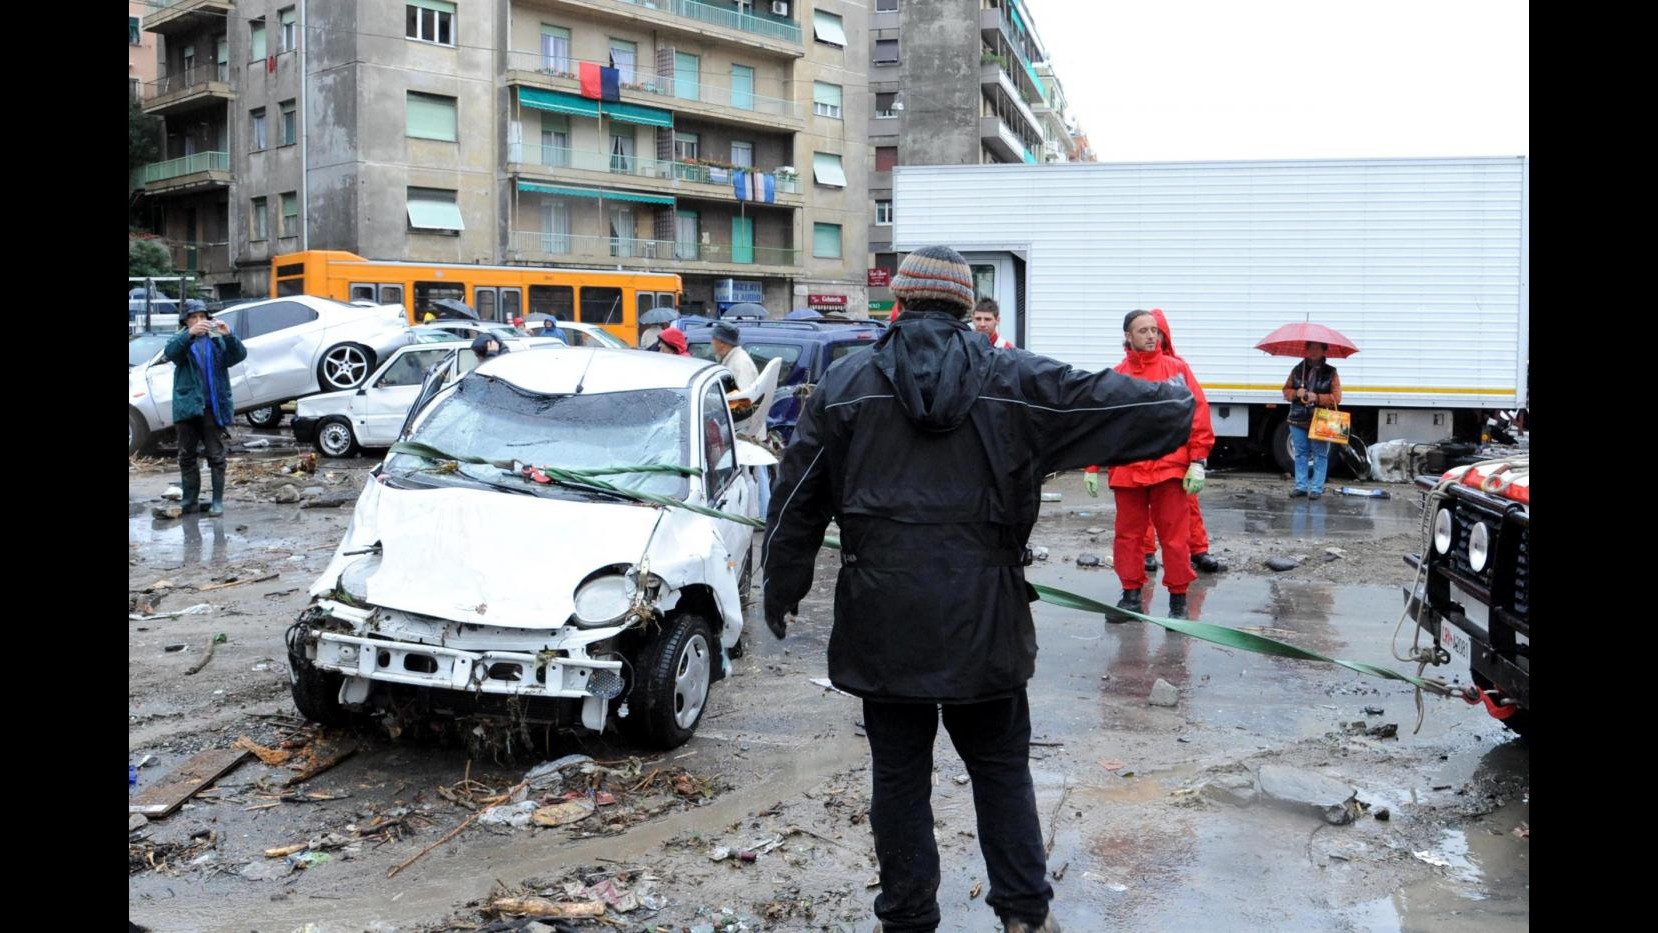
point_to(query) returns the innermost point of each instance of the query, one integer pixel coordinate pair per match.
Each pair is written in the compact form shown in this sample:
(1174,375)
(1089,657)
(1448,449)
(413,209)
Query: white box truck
(1423,263)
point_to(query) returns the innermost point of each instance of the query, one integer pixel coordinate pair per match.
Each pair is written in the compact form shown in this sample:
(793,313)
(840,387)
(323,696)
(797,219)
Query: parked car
(632,608)
(339,424)
(296,346)
(806,347)
(440,331)
(145,346)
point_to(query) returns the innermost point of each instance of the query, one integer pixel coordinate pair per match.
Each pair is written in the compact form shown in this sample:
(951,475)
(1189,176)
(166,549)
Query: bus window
(391,294)
(512,304)
(483,302)
(287,288)
(601,305)
(664,299)
(556,300)
(645,302)
(361,291)
(428,292)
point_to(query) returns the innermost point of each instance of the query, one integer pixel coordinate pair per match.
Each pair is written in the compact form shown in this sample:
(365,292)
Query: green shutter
(438,5)
(742,87)
(634,113)
(827,169)
(555,102)
(826,241)
(432,211)
(288,16)
(567,191)
(826,94)
(258,36)
(431,117)
(742,239)
(558,31)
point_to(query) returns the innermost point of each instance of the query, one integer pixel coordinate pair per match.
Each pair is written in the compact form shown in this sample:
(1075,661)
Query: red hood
(1163,325)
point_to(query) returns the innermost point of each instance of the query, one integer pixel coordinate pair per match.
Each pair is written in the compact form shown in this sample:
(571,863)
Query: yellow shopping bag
(1330,425)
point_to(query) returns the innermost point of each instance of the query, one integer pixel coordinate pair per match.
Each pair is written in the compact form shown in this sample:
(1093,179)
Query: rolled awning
(557,102)
(568,191)
(634,113)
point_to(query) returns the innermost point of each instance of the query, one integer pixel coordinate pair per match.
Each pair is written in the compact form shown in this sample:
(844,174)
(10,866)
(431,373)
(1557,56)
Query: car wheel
(268,417)
(345,366)
(138,434)
(745,581)
(1283,450)
(672,673)
(316,693)
(334,438)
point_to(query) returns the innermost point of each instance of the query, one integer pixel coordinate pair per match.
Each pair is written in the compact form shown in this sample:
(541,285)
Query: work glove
(1193,484)
(777,616)
(1091,479)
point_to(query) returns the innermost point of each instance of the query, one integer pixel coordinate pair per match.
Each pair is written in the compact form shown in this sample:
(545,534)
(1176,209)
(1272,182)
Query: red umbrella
(1292,340)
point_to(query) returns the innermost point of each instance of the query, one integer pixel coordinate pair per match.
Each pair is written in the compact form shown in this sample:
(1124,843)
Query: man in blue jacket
(202,353)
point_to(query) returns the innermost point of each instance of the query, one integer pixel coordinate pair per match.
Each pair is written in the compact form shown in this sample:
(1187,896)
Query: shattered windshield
(494,420)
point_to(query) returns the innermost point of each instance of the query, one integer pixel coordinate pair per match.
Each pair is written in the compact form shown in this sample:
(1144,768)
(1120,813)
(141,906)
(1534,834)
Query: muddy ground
(1146,829)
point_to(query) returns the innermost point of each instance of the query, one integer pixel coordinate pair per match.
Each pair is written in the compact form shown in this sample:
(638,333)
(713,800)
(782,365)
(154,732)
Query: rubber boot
(191,484)
(1151,563)
(1130,601)
(1177,605)
(218,506)
(1206,563)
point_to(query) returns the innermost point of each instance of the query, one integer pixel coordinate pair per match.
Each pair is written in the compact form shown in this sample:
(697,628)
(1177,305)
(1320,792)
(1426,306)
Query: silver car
(296,346)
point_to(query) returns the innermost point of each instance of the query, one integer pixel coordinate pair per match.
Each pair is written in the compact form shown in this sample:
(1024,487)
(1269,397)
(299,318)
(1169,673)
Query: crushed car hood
(493,558)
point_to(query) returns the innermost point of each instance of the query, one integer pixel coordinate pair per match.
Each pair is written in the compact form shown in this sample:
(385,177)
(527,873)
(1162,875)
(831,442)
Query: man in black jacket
(929,452)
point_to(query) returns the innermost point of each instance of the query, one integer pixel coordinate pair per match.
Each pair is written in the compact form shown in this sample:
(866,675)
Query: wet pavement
(1116,778)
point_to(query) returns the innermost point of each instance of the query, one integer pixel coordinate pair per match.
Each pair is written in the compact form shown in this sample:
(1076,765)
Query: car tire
(1282,450)
(316,693)
(268,417)
(335,438)
(139,440)
(672,673)
(344,366)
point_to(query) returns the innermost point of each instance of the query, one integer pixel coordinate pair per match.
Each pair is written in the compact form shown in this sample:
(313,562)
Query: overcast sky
(1254,79)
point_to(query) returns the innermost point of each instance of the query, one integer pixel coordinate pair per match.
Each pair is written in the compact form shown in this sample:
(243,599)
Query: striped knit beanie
(935,272)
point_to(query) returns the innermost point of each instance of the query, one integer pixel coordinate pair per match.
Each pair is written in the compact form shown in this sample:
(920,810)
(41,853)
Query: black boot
(1151,563)
(218,506)
(190,482)
(1177,605)
(1130,601)
(1206,563)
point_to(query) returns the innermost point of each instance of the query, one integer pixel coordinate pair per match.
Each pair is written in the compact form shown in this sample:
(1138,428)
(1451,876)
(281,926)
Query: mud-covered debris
(1088,560)
(1039,553)
(545,908)
(1335,800)
(1232,788)
(167,512)
(136,822)
(172,494)
(1164,693)
(1389,730)
(962,779)
(562,814)
(719,853)
(1383,814)
(1052,497)
(1523,831)
(288,493)
(1373,711)
(1281,564)
(515,815)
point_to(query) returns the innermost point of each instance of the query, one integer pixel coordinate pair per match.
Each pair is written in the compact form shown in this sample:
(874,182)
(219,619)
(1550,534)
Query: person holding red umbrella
(1313,383)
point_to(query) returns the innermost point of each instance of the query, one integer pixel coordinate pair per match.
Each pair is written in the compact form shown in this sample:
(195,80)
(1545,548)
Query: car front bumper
(305,430)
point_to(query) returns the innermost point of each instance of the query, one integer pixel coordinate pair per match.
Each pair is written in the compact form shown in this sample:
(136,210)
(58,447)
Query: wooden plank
(186,781)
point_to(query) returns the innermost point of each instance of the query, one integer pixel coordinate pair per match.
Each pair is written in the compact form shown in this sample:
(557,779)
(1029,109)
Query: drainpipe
(304,136)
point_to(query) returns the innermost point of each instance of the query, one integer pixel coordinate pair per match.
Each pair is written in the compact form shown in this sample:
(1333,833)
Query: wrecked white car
(500,568)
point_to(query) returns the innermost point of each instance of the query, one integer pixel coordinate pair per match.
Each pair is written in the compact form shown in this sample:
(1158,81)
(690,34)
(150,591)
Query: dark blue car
(806,347)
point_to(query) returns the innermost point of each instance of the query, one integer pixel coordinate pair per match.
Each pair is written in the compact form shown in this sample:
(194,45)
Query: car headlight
(1442,532)
(1479,546)
(603,600)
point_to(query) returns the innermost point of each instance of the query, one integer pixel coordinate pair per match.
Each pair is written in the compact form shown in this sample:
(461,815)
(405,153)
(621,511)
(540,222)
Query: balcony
(653,255)
(707,100)
(190,173)
(191,89)
(204,258)
(676,179)
(993,25)
(1003,141)
(172,17)
(704,19)
(995,80)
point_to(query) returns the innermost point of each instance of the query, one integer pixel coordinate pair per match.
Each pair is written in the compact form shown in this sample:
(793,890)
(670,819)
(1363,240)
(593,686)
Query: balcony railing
(638,166)
(187,79)
(533,245)
(728,18)
(188,165)
(641,81)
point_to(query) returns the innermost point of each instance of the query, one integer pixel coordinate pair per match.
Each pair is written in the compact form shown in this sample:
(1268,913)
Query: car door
(282,339)
(725,485)
(380,408)
(433,382)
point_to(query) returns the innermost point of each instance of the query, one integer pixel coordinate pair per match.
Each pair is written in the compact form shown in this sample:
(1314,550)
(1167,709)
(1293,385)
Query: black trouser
(203,431)
(993,739)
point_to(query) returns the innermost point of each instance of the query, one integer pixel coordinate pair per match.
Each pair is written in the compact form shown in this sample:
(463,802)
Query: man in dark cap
(728,350)
(202,353)
(486,346)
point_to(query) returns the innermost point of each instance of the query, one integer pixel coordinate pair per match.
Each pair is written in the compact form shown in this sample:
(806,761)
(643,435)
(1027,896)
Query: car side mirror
(362,390)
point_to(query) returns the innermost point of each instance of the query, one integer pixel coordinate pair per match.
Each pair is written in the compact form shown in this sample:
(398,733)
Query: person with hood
(929,453)
(487,346)
(1154,493)
(673,342)
(549,328)
(202,353)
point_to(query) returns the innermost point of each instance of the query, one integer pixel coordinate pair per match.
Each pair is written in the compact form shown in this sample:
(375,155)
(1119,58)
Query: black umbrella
(655,316)
(449,308)
(745,309)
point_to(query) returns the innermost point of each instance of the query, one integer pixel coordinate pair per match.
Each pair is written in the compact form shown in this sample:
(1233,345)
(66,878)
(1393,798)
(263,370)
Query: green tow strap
(1204,631)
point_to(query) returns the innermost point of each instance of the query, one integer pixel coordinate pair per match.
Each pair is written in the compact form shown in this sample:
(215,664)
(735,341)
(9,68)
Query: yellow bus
(610,299)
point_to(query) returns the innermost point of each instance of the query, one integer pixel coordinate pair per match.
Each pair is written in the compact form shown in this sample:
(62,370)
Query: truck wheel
(1282,451)
(138,434)
(316,693)
(672,673)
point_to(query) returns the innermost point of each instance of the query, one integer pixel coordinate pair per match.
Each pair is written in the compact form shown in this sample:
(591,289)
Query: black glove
(776,614)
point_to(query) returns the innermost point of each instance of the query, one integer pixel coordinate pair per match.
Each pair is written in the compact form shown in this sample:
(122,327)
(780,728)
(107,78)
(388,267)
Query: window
(686,69)
(887,261)
(836,351)
(826,241)
(555,50)
(826,100)
(260,320)
(430,116)
(290,123)
(742,240)
(686,235)
(763,353)
(886,51)
(362,292)
(135,35)
(883,213)
(133,89)
(742,154)
(428,292)
(622,235)
(883,106)
(624,55)
(434,209)
(687,146)
(512,301)
(621,151)
(826,169)
(886,157)
(188,57)
(742,87)
(601,305)
(828,29)
(556,300)
(886,6)
(288,40)
(256,121)
(290,213)
(555,235)
(430,21)
(391,294)
(260,228)
(555,140)
(410,368)
(256,39)
(718,451)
